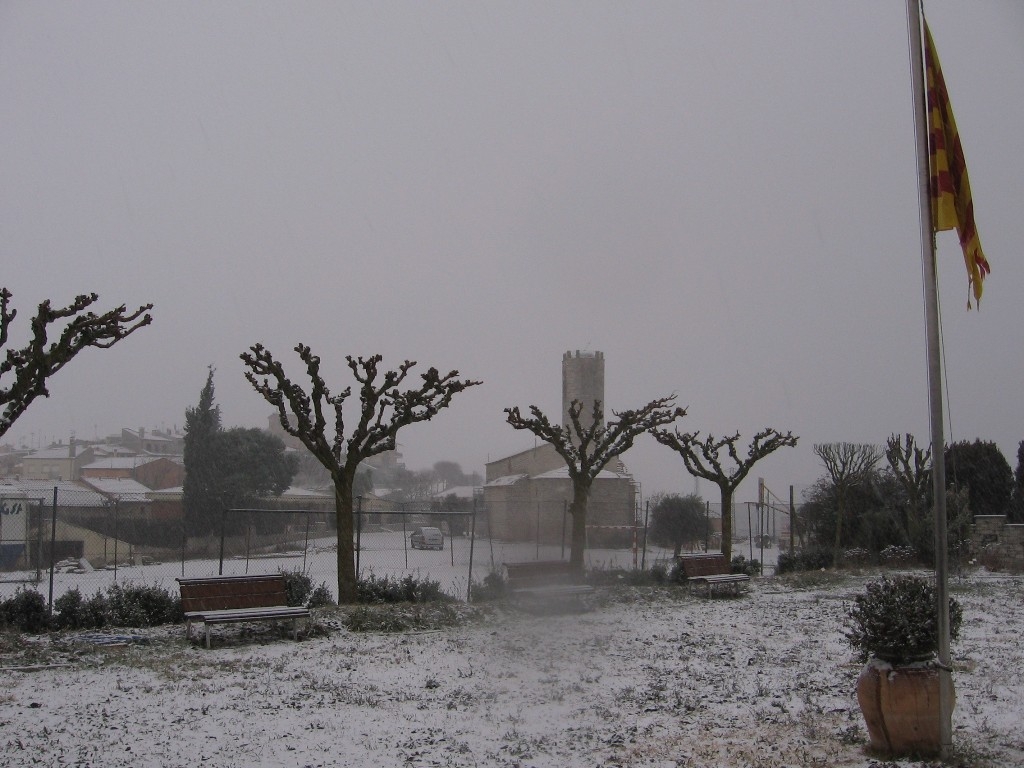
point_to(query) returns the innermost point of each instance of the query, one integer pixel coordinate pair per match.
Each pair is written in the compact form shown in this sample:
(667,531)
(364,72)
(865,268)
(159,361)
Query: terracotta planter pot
(901,707)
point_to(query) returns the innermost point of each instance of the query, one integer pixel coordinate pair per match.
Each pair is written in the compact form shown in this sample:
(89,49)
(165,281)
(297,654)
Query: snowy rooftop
(562,473)
(459,491)
(506,480)
(69,494)
(123,488)
(122,462)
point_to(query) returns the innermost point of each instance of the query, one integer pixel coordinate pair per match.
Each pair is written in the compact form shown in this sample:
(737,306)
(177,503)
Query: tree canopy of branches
(704,458)
(33,364)
(588,445)
(872,521)
(848,465)
(228,468)
(383,409)
(911,466)
(981,468)
(678,521)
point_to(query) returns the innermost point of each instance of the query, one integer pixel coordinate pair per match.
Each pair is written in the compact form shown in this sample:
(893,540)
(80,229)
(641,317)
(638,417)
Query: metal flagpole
(931,305)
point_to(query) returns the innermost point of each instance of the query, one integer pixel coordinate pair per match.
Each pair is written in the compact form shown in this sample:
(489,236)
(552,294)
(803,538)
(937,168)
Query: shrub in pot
(893,626)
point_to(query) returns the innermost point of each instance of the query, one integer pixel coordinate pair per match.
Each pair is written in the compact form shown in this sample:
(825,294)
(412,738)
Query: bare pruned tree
(383,410)
(704,458)
(588,445)
(911,466)
(848,465)
(33,364)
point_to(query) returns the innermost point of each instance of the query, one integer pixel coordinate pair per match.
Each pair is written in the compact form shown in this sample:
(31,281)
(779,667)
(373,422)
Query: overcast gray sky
(719,195)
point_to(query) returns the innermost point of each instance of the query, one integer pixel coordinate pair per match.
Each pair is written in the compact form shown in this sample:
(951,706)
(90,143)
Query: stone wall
(998,544)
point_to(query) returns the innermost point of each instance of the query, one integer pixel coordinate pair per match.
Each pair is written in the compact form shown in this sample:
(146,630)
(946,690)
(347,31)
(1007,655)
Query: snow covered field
(649,678)
(383,553)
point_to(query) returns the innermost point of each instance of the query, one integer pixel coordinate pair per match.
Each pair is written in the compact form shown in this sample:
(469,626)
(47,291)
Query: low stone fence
(1000,545)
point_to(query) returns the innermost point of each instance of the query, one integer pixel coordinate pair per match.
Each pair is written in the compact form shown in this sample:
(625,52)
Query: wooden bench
(711,570)
(231,599)
(546,580)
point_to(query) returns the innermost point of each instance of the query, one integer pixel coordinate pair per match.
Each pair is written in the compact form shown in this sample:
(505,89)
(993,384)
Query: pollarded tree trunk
(344,515)
(727,524)
(578,510)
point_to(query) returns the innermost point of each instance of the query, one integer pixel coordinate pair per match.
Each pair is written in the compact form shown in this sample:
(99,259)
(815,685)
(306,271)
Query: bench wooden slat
(246,614)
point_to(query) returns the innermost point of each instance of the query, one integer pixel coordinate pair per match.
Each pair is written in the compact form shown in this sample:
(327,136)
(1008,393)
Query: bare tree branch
(384,409)
(587,448)
(848,465)
(704,459)
(34,363)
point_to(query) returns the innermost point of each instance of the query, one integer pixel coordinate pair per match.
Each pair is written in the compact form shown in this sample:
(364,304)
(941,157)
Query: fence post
(792,520)
(750,529)
(359,532)
(565,505)
(53,545)
(115,540)
(647,518)
(537,545)
(223,523)
(707,524)
(39,539)
(472,541)
(305,545)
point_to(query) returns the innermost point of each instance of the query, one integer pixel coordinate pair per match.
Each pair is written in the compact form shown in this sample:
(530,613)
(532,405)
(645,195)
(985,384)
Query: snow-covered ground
(650,677)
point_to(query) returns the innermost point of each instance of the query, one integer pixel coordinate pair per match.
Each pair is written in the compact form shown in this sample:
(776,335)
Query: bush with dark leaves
(321,597)
(896,620)
(804,560)
(136,605)
(26,611)
(297,587)
(408,589)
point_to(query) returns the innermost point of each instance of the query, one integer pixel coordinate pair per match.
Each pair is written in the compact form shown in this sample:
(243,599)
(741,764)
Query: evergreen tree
(981,468)
(678,521)
(199,491)
(251,464)
(228,469)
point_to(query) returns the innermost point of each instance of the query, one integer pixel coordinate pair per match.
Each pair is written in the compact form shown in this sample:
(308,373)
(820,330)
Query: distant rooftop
(123,488)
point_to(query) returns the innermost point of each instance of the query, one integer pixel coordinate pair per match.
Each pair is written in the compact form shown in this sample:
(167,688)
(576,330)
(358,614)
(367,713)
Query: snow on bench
(231,599)
(711,570)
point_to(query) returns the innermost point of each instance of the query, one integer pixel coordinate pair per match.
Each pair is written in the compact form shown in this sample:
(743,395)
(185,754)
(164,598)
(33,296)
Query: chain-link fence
(23,550)
(72,537)
(387,542)
(85,540)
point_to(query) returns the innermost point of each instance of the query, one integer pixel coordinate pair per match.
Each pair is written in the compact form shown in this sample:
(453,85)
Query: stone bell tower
(583,380)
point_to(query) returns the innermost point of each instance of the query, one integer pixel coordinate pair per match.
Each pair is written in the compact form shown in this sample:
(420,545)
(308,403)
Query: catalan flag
(951,203)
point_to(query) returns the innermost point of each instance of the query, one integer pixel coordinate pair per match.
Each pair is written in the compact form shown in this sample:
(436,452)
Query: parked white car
(426,538)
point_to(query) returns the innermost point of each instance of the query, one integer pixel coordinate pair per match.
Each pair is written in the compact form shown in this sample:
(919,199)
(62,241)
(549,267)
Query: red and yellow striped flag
(952,206)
